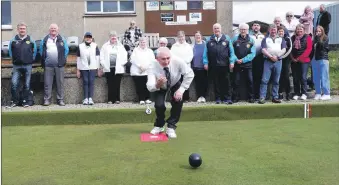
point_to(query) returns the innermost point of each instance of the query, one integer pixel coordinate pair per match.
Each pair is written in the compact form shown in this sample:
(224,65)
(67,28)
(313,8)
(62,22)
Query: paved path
(124,105)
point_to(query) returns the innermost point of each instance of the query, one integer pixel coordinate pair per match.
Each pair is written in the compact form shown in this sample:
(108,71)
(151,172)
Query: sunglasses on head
(289,15)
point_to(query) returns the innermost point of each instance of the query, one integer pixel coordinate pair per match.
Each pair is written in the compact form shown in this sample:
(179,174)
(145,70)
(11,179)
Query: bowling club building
(99,17)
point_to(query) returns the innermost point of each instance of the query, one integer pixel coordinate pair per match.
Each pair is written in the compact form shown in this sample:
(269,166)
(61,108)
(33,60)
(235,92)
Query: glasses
(289,15)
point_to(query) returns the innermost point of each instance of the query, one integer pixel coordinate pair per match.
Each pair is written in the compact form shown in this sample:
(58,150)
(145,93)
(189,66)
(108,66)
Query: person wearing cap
(87,64)
(113,58)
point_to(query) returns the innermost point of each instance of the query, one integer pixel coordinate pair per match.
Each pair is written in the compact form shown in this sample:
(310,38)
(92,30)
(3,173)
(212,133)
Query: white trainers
(148,101)
(171,133)
(157,130)
(85,101)
(303,97)
(317,97)
(142,102)
(203,100)
(199,100)
(326,97)
(295,97)
(90,101)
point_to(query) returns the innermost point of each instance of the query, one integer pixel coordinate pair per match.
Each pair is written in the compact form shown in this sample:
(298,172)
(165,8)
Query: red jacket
(302,55)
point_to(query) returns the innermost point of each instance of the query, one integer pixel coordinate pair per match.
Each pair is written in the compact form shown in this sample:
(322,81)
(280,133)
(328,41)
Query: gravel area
(127,105)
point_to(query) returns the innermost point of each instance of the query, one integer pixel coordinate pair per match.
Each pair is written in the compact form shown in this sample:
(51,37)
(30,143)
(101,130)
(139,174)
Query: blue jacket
(244,48)
(62,50)
(22,51)
(204,56)
(221,52)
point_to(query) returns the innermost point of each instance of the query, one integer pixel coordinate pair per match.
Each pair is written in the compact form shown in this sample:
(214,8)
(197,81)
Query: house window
(194,5)
(6,14)
(106,6)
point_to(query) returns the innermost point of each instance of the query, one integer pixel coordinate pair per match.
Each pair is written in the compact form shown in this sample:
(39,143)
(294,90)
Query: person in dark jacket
(324,19)
(54,51)
(244,49)
(300,56)
(320,65)
(284,82)
(219,53)
(22,50)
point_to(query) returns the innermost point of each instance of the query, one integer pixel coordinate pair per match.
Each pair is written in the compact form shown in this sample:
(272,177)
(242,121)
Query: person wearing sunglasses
(290,23)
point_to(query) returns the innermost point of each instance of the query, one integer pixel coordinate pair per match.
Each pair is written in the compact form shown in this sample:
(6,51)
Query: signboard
(152,6)
(181,18)
(195,17)
(209,5)
(166,5)
(167,17)
(181,23)
(180,5)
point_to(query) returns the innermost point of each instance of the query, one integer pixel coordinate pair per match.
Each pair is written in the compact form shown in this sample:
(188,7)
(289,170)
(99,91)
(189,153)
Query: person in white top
(113,58)
(141,59)
(87,64)
(290,23)
(184,51)
(163,76)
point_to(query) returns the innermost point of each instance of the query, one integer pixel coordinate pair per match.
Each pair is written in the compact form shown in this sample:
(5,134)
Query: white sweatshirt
(141,58)
(88,59)
(183,51)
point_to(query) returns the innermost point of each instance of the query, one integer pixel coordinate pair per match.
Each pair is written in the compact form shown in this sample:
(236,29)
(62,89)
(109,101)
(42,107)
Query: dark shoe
(229,102)
(46,103)
(61,103)
(274,100)
(281,96)
(218,101)
(288,98)
(25,104)
(251,101)
(262,101)
(11,105)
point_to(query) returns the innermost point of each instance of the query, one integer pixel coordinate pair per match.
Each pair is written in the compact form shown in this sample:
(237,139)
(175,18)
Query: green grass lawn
(334,70)
(257,152)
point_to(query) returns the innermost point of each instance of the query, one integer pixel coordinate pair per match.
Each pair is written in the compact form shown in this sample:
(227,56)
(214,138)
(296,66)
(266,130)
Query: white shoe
(199,100)
(85,101)
(203,100)
(148,101)
(157,130)
(142,102)
(295,97)
(171,133)
(317,97)
(326,97)
(90,101)
(303,97)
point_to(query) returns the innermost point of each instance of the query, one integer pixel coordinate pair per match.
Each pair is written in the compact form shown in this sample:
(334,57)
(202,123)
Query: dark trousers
(113,83)
(238,75)
(222,84)
(201,82)
(141,88)
(160,108)
(299,73)
(88,77)
(59,73)
(186,95)
(257,70)
(18,71)
(284,81)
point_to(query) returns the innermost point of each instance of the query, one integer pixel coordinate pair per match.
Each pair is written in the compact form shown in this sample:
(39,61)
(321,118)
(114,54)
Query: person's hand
(231,66)
(206,67)
(142,68)
(275,58)
(239,61)
(78,73)
(161,81)
(100,72)
(178,96)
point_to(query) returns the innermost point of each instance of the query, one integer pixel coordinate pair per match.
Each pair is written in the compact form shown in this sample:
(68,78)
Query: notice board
(164,18)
